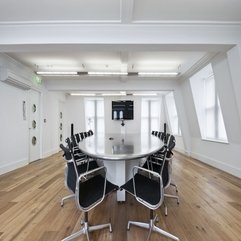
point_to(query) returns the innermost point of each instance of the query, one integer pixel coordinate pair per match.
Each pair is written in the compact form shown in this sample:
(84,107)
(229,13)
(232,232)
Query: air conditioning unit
(11,78)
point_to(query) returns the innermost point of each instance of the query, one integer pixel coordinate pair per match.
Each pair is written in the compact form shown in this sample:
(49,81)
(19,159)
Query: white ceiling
(132,12)
(116,61)
(120,10)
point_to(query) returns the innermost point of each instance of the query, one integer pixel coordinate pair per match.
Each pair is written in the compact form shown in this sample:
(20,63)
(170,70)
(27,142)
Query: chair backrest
(148,187)
(167,168)
(71,172)
(171,143)
(90,133)
(160,163)
(81,135)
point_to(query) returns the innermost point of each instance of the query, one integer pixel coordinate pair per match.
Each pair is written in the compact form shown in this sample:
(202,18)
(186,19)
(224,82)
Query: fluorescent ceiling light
(113,94)
(82,94)
(56,73)
(158,73)
(145,94)
(107,73)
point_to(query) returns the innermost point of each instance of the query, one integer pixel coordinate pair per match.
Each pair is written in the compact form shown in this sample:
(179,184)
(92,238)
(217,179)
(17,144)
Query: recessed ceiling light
(158,73)
(56,73)
(82,94)
(144,94)
(107,73)
(113,94)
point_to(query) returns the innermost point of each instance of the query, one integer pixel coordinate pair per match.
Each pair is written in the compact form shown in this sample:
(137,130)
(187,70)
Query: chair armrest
(91,172)
(145,170)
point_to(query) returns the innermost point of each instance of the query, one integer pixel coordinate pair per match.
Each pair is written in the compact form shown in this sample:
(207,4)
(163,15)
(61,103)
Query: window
(150,114)
(207,105)
(172,114)
(94,115)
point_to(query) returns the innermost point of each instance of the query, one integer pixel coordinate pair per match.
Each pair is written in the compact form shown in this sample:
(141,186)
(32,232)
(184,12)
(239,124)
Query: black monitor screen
(122,110)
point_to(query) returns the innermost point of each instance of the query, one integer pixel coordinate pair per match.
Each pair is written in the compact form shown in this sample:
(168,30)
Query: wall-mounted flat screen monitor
(123,110)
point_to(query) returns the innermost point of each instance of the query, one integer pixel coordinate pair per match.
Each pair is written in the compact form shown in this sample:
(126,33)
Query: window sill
(216,141)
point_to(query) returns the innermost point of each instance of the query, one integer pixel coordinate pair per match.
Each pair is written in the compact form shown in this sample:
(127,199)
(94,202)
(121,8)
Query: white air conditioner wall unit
(11,78)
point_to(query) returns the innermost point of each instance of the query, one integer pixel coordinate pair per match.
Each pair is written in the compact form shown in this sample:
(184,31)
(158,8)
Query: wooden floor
(209,210)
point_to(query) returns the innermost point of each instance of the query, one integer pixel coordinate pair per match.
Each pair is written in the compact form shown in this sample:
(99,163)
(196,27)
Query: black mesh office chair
(91,189)
(161,162)
(71,173)
(83,161)
(147,187)
(77,163)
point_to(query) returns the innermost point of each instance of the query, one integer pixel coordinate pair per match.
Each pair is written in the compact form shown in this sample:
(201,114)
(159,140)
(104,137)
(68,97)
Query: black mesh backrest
(166,138)
(91,190)
(71,176)
(165,174)
(147,189)
(82,135)
(71,169)
(77,137)
(171,142)
(162,136)
(91,132)
(74,142)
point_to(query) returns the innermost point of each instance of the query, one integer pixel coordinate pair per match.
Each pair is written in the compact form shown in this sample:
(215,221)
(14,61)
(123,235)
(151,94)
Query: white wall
(75,115)
(182,37)
(13,128)
(14,138)
(220,155)
(50,130)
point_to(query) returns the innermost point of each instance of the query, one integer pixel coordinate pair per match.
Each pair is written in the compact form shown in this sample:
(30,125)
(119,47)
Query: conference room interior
(136,75)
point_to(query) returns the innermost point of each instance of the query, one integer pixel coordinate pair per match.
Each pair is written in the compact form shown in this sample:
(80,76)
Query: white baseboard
(12,166)
(50,153)
(215,163)
(182,151)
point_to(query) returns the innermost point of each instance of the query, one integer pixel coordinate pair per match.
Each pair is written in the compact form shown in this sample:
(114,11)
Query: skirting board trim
(220,165)
(50,153)
(12,166)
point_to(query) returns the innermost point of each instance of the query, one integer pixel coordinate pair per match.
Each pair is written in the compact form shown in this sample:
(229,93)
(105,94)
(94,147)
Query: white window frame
(149,117)
(199,85)
(95,118)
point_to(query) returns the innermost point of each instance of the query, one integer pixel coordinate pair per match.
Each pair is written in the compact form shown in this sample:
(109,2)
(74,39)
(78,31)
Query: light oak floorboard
(209,210)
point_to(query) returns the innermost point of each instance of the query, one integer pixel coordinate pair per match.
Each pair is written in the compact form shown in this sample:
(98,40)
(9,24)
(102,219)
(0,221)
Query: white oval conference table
(120,152)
